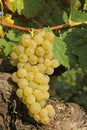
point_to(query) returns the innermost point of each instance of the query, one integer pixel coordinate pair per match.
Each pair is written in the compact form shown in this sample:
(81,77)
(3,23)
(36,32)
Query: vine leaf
(31,8)
(6,45)
(81,52)
(15,5)
(59,49)
(12,36)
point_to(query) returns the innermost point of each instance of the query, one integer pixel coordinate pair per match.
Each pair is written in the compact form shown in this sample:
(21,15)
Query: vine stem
(58,27)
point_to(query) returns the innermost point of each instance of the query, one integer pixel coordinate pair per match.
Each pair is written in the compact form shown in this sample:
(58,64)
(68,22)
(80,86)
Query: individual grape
(22,83)
(25,39)
(38,94)
(45,94)
(38,38)
(19,92)
(42,103)
(35,108)
(54,63)
(45,120)
(19,49)
(23,58)
(33,85)
(46,79)
(40,60)
(30,99)
(37,117)
(33,59)
(14,77)
(14,56)
(49,55)
(42,33)
(43,87)
(27,91)
(29,51)
(34,69)
(21,73)
(49,36)
(39,77)
(46,45)
(20,65)
(30,76)
(27,66)
(47,62)
(39,51)
(49,71)
(43,113)
(32,44)
(51,110)
(42,68)
(14,62)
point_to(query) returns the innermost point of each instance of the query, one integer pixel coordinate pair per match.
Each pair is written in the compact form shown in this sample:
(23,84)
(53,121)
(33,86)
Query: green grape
(29,51)
(49,36)
(34,69)
(35,108)
(42,68)
(25,40)
(30,99)
(21,73)
(38,38)
(47,62)
(22,83)
(15,77)
(27,66)
(14,62)
(47,45)
(23,58)
(40,60)
(49,71)
(39,77)
(19,49)
(37,117)
(19,92)
(14,56)
(27,91)
(43,87)
(54,63)
(39,51)
(38,95)
(45,120)
(30,76)
(43,113)
(33,85)
(32,44)
(51,111)
(33,59)
(20,65)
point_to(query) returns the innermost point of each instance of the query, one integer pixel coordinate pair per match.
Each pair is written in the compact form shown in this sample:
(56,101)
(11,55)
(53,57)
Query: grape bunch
(34,59)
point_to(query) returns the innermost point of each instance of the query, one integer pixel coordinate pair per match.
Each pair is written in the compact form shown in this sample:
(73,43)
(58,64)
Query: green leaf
(7,46)
(17,5)
(79,16)
(81,52)
(12,36)
(59,49)
(31,8)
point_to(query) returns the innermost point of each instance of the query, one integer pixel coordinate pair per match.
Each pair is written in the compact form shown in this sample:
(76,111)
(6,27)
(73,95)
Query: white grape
(22,83)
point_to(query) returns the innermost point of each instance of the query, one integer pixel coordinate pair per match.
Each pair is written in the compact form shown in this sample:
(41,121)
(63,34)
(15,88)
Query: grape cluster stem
(58,27)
